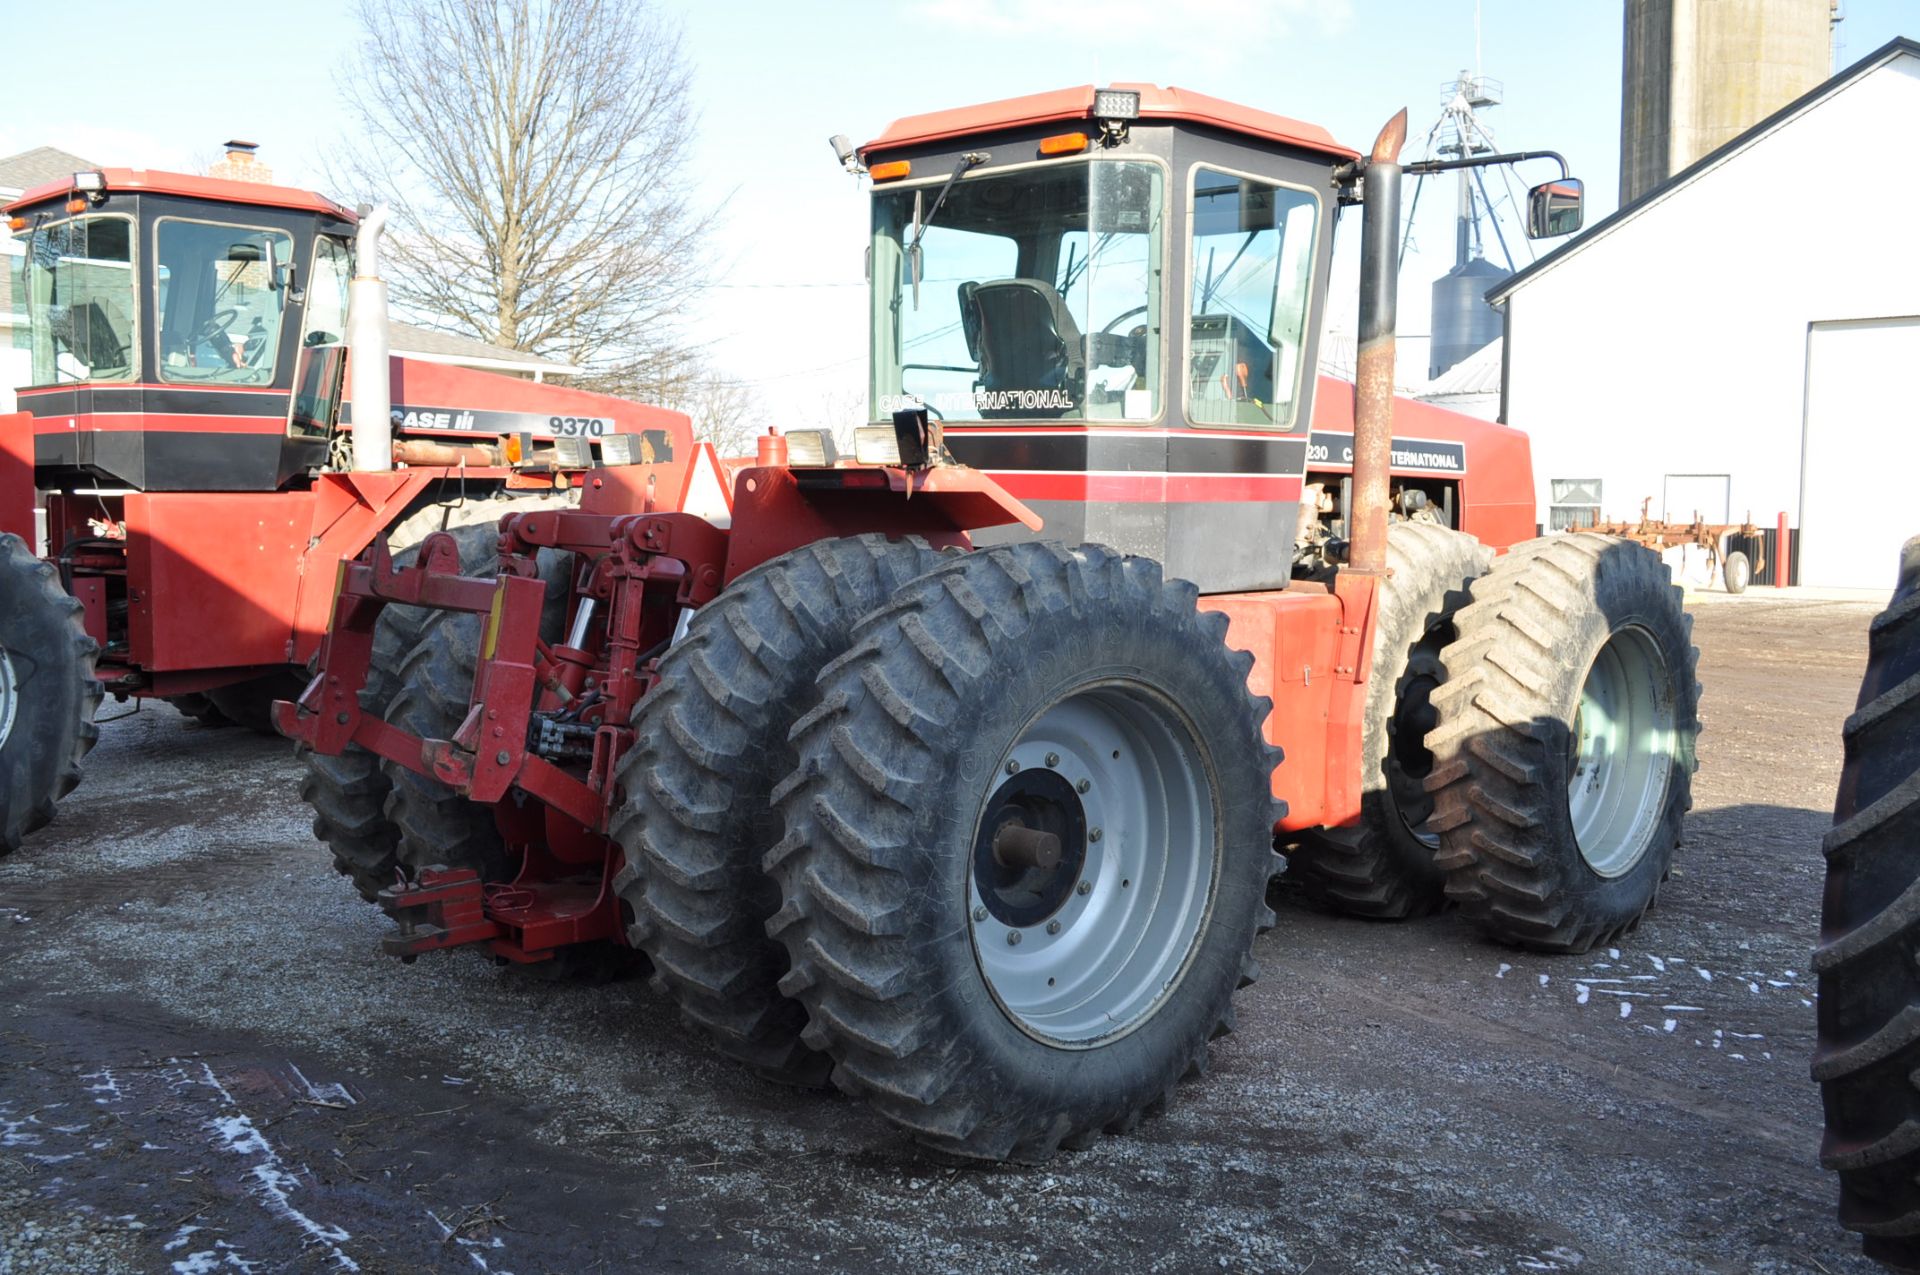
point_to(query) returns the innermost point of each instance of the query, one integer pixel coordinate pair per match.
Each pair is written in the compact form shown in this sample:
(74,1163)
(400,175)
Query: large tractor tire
(1868,1057)
(200,709)
(1027,847)
(436,825)
(1563,757)
(710,743)
(348,792)
(250,703)
(1383,867)
(47,692)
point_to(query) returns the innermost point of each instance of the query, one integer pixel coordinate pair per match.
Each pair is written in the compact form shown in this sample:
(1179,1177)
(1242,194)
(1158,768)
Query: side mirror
(1554,208)
(281,277)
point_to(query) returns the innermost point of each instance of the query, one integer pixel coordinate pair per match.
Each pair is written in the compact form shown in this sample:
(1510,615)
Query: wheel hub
(1093,865)
(9,696)
(1621,753)
(1031,847)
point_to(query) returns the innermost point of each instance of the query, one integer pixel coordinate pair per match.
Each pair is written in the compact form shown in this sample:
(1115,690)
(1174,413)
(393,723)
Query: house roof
(1898,47)
(38,166)
(406,338)
(1478,373)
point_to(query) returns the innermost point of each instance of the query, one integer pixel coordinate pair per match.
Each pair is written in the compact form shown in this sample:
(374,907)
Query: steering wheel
(214,332)
(1135,349)
(1121,318)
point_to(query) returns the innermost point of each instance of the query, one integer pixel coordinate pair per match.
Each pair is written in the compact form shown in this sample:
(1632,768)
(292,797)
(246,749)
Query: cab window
(221,299)
(76,289)
(1252,269)
(1032,293)
(323,340)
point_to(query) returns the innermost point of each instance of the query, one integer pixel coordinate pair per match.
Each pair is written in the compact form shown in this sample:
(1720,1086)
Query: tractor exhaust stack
(1373,374)
(367,350)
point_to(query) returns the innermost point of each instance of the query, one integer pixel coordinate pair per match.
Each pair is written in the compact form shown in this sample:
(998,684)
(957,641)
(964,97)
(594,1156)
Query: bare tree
(723,415)
(535,157)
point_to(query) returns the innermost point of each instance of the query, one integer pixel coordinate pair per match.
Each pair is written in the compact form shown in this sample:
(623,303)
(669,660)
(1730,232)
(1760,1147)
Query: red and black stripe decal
(158,409)
(1136,467)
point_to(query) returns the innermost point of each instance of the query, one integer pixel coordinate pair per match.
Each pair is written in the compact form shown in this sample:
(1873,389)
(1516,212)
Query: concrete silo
(1697,73)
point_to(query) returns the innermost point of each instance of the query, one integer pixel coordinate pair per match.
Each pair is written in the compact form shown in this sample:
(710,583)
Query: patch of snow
(274,1185)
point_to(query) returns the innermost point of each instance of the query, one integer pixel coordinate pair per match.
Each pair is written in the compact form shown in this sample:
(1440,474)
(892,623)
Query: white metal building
(1745,337)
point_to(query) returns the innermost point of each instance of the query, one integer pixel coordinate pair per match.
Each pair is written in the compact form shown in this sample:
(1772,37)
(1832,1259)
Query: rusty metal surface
(1372,454)
(1373,367)
(419,451)
(1657,533)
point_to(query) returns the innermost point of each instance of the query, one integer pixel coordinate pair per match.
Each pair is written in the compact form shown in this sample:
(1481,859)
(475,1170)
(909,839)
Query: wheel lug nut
(1083,785)
(1013,767)
(1093,834)
(1053,927)
(1053,759)
(1013,938)
(1085,887)
(980,914)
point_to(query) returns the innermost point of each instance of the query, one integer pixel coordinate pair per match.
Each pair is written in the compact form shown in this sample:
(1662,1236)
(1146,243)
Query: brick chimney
(240,164)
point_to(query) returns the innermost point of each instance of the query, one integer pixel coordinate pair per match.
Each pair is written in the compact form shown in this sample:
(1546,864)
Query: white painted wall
(1676,342)
(1862,435)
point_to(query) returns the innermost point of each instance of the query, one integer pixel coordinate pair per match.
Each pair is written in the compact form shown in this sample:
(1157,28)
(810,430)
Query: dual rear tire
(710,743)
(1563,756)
(1020,880)
(836,708)
(1528,746)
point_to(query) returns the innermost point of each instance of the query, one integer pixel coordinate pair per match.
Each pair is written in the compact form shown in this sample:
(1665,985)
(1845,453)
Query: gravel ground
(205,1065)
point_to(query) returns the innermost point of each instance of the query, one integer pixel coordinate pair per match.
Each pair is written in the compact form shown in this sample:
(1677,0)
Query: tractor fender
(777,509)
(16,479)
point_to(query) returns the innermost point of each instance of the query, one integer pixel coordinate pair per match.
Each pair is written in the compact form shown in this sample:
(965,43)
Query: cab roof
(1157,105)
(153,181)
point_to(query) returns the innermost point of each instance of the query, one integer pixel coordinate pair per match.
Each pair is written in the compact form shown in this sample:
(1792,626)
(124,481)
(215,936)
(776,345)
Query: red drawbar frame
(641,571)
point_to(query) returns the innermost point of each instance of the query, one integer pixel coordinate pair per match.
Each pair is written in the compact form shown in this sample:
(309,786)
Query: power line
(855,284)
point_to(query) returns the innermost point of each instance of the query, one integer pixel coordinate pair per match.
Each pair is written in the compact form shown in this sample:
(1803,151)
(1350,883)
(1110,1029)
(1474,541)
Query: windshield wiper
(967,161)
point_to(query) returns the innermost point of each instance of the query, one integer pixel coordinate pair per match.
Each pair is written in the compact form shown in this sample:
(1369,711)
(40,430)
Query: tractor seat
(1023,337)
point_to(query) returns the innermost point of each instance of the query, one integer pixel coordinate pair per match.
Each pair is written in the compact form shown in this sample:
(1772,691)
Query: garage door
(1861,452)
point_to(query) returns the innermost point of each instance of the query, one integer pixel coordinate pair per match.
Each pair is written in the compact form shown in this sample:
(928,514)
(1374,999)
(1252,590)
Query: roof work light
(1115,109)
(1116,104)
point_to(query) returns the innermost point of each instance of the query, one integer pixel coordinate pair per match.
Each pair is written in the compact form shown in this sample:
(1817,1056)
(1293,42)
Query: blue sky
(773,80)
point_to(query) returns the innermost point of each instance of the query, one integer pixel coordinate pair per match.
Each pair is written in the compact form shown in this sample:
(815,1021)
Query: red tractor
(958,770)
(188,343)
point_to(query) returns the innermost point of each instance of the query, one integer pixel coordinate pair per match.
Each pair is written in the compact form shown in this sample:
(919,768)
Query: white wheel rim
(1107,933)
(1622,753)
(9,696)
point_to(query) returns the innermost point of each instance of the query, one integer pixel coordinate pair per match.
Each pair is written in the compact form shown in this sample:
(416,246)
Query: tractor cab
(188,330)
(1110,299)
